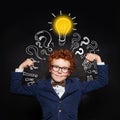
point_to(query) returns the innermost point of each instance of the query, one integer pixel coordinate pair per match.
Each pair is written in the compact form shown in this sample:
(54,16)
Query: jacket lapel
(49,87)
(70,87)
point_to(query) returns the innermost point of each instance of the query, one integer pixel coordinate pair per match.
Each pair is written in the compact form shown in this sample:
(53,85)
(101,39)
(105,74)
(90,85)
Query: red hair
(64,54)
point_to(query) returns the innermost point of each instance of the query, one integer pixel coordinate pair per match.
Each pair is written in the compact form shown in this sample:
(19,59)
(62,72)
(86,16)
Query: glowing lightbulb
(63,26)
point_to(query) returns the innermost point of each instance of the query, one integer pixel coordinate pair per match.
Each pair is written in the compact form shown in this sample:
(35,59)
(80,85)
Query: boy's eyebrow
(60,66)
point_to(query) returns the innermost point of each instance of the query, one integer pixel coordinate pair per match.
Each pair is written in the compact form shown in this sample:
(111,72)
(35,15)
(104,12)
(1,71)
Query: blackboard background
(21,20)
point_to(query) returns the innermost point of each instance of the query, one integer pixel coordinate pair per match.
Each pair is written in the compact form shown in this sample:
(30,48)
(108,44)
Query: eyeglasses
(57,68)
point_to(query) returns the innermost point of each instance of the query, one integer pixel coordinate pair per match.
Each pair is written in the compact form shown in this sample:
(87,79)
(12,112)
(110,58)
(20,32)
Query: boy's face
(59,69)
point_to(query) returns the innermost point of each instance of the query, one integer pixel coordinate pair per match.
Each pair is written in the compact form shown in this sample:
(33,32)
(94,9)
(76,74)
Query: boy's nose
(60,70)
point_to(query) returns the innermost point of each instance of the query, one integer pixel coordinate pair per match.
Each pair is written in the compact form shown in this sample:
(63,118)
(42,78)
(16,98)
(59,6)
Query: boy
(59,96)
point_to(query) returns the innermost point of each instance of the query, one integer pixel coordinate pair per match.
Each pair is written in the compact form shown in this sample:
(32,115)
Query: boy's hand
(91,57)
(27,63)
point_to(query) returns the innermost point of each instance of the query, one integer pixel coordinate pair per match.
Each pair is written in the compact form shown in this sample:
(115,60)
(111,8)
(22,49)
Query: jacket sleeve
(16,85)
(99,82)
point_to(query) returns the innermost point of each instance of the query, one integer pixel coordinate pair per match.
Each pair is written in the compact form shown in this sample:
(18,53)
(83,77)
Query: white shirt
(59,90)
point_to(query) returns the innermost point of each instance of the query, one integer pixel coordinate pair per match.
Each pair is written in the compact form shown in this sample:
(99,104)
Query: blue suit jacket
(53,107)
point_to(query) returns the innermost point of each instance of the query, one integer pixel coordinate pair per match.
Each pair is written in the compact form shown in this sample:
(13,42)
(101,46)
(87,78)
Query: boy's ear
(49,70)
(68,74)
